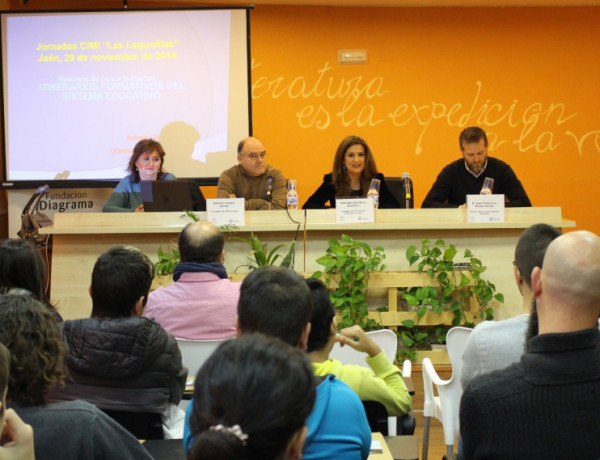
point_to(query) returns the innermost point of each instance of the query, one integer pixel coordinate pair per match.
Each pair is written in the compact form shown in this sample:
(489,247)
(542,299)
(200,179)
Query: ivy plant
(456,284)
(349,262)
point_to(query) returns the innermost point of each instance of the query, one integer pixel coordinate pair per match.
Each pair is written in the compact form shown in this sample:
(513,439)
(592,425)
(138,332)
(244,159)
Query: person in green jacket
(382,383)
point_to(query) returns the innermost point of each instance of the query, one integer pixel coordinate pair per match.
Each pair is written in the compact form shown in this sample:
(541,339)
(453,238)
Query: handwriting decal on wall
(358,102)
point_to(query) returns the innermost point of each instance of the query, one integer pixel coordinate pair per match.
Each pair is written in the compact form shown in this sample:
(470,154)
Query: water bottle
(292,195)
(409,196)
(488,186)
(374,192)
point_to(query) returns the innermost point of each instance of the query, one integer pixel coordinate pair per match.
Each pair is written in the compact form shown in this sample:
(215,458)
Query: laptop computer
(166,195)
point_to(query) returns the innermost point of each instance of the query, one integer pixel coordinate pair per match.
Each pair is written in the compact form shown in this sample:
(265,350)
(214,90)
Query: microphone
(406,181)
(270,180)
(408,191)
(37,194)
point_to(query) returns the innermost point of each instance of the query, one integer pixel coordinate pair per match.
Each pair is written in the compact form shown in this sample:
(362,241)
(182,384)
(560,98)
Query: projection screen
(81,88)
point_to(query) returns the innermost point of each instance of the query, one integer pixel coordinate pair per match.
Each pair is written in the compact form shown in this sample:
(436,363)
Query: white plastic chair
(195,352)
(388,342)
(386,339)
(445,406)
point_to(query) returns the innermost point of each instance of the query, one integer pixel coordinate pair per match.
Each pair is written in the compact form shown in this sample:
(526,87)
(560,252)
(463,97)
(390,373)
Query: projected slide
(81,89)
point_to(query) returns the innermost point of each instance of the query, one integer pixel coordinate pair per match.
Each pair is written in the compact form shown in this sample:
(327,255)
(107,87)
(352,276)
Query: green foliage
(349,262)
(260,255)
(167,260)
(452,291)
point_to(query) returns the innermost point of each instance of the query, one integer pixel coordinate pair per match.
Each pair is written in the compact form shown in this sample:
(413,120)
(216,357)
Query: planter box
(438,357)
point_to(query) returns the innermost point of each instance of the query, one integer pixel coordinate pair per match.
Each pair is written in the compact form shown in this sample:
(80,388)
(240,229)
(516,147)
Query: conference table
(79,238)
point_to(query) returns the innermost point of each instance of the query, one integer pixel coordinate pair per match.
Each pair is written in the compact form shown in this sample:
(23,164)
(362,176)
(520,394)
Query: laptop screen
(166,195)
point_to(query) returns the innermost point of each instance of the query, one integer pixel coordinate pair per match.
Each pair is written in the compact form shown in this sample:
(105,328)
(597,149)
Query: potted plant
(453,285)
(346,266)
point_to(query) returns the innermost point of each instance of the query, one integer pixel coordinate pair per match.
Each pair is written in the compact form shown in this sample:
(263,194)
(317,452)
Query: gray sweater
(77,430)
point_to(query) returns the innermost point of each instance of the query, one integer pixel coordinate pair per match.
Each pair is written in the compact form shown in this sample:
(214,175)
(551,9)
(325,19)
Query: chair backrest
(140,424)
(386,339)
(456,340)
(449,391)
(195,352)
(396,187)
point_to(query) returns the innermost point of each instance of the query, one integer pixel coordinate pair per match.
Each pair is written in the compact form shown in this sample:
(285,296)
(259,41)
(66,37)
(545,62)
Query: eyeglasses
(257,156)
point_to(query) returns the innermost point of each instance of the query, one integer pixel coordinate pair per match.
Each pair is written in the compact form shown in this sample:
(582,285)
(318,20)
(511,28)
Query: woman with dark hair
(16,441)
(251,401)
(382,383)
(73,429)
(146,163)
(353,169)
(22,271)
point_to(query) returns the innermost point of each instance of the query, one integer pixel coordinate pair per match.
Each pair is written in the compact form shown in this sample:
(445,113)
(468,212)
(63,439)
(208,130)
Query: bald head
(201,242)
(252,156)
(567,289)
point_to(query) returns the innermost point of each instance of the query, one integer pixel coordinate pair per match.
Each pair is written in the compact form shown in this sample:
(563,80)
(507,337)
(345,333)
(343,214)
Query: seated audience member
(67,430)
(16,441)
(117,359)
(496,344)
(353,168)
(22,271)
(465,176)
(251,401)
(261,185)
(276,301)
(383,383)
(146,163)
(201,304)
(548,404)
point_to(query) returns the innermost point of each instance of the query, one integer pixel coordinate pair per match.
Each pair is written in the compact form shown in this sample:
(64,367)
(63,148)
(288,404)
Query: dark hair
(240,146)
(21,266)
(4,374)
(200,242)
(472,134)
(37,350)
(275,301)
(145,146)
(322,315)
(531,248)
(258,383)
(120,277)
(340,178)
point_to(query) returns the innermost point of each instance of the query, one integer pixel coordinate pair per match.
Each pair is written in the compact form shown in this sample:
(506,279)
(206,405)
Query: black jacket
(125,364)
(326,193)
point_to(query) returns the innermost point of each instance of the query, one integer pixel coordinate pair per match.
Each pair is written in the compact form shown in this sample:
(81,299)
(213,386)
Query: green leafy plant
(167,260)
(349,262)
(260,255)
(456,284)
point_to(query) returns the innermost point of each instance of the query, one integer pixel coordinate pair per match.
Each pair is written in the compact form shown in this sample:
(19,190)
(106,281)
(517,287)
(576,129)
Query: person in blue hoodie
(277,302)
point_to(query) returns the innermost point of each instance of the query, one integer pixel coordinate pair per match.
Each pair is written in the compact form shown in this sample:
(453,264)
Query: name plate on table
(485,208)
(354,210)
(225,211)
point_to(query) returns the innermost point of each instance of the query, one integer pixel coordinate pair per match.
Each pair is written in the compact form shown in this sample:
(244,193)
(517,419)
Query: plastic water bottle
(374,192)
(409,195)
(292,195)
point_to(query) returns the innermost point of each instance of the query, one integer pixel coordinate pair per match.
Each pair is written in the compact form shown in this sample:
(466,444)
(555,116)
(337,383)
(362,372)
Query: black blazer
(326,193)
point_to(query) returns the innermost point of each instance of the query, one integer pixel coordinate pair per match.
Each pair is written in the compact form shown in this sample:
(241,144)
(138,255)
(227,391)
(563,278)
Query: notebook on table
(166,195)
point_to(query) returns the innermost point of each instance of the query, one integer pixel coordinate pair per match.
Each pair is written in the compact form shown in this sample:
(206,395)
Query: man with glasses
(261,186)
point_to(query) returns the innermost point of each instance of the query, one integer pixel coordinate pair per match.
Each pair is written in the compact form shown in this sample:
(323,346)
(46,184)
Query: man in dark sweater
(548,404)
(465,176)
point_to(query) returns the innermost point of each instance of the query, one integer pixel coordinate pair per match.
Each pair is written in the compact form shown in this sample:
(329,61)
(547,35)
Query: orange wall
(528,76)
